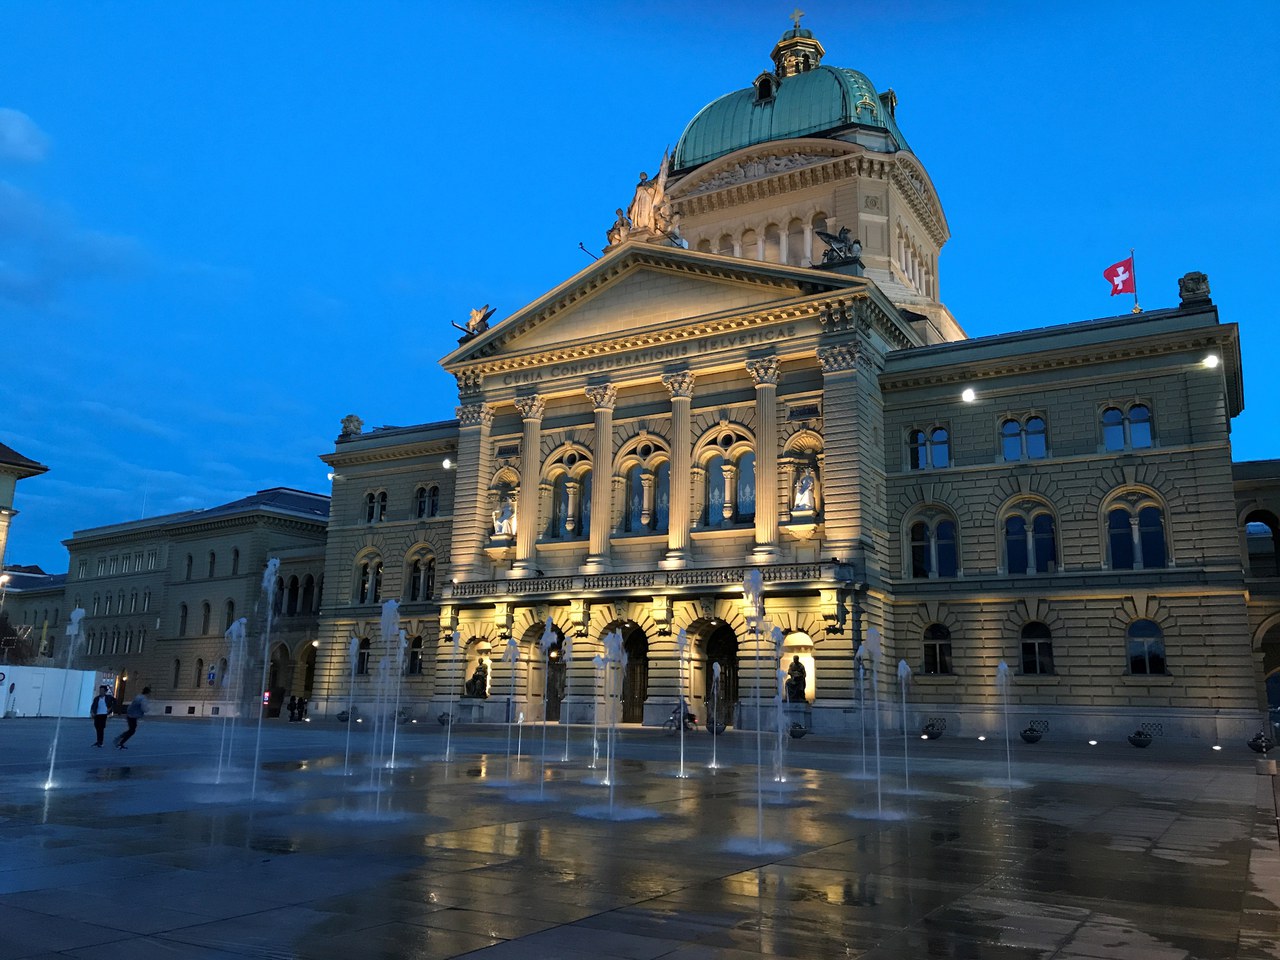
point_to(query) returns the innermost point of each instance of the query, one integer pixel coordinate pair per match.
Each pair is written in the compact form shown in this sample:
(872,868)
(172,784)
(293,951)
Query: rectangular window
(102,566)
(937,657)
(151,560)
(115,561)
(82,569)
(1037,656)
(126,564)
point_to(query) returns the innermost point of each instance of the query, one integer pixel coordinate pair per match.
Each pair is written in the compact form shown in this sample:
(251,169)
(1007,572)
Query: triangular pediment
(638,288)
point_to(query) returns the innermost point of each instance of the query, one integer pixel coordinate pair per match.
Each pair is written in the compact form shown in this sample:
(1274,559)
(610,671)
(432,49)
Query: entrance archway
(308,671)
(1271,666)
(546,671)
(278,673)
(720,646)
(635,681)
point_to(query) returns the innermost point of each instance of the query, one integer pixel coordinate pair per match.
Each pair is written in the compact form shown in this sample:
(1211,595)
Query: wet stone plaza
(1067,851)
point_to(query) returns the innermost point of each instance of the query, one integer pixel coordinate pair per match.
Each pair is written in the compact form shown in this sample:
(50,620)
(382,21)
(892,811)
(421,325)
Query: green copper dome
(820,102)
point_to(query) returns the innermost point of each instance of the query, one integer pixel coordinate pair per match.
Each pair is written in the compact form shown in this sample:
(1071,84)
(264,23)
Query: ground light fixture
(1093,743)
(1217,746)
(981,739)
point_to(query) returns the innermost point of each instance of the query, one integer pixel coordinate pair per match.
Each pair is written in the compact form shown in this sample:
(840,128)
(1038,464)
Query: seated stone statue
(796,678)
(478,686)
(504,520)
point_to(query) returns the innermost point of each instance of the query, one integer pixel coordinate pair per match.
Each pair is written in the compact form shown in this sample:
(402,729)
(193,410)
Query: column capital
(531,408)
(764,371)
(474,414)
(838,358)
(603,396)
(679,384)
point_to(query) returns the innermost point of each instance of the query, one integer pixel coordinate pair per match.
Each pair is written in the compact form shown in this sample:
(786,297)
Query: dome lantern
(797,51)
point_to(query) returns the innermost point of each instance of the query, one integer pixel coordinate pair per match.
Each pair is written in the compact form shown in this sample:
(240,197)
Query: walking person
(104,704)
(137,710)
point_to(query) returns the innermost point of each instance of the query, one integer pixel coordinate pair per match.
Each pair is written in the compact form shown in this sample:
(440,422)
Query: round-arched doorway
(720,647)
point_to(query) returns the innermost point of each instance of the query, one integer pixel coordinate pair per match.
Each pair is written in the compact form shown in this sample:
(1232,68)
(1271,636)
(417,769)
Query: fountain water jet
(753,595)
(713,722)
(780,712)
(511,656)
(870,649)
(1002,681)
(237,638)
(456,639)
(75,632)
(354,658)
(269,594)
(547,643)
(600,665)
(568,657)
(682,646)
(904,678)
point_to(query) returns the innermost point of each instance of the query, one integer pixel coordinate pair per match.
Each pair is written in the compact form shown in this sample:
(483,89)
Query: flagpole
(1134,261)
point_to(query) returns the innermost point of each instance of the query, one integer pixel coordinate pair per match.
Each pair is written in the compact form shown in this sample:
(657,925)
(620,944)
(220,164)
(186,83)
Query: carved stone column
(680,386)
(475,471)
(765,374)
(530,409)
(603,398)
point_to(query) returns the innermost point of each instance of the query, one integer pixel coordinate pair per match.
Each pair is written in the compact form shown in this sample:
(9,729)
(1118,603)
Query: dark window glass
(1046,544)
(1015,543)
(714,515)
(1151,536)
(1037,649)
(420,503)
(948,561)
(919,550)
(1037,439)
(1120,533)
(433,502)
(584,505)
(746,499)
(1112,429)
(939,448)
(415,580)
(661,497)
(1144,641)
(918,452)
(1139,426)
(362,656)
(634,505)
(937,649)
(1011,439)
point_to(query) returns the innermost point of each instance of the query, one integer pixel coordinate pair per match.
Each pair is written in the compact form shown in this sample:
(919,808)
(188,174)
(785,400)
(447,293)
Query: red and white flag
(1120,276)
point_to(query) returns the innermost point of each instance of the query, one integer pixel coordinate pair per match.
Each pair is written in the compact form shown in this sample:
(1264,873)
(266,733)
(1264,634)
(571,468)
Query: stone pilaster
(474,473)
(603,398)
(527,521)
(765,374)
(680,386)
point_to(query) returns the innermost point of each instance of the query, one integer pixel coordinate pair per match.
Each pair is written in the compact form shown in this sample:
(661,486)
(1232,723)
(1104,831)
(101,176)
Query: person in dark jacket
(137,710)
(104,704)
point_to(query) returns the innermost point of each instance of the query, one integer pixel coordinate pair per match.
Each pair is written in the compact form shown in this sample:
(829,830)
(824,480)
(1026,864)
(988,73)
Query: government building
(760,374)
(758,378)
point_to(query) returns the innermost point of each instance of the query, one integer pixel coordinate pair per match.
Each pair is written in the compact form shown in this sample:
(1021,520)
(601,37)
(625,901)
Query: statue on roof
(649,210)
(621,227)
(479,321)
(840,246)
(352,425)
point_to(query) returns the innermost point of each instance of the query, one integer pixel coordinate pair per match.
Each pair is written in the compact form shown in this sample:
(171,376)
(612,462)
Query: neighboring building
(159,595)
(13,467)
(32,602)
(790,395)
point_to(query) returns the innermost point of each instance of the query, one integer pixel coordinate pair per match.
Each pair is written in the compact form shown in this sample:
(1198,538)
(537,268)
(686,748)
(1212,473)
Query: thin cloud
(43,249)
(20,138)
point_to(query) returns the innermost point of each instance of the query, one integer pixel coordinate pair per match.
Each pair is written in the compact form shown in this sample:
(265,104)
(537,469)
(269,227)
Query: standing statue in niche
(804,499)
(797,677)
(477,687)
(504,518)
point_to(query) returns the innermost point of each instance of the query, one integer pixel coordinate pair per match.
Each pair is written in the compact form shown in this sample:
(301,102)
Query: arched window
(933,547)
(213,564)
(146,601)
(133,602)
(107,605)
(1030,540)
(1127,429)
(422,578)
(177,673)
(414,668)
(206,615)
(937,649)
(235,562)
(797,255)
(420,503)
(199,673)
(370,507)
(1024,439)
(584,504)
(1144,646)
(1136,534)
(382,507)
(1262,544)
(764,90)
(745,503)
(928,448)
(230,617)
(182,619)
(713,512)
(433,501)
(633,500)
(369,580)
(558,522)
(362,656)
(308,594)
(277,601)
(1037,648)
(190,561)
(291,600)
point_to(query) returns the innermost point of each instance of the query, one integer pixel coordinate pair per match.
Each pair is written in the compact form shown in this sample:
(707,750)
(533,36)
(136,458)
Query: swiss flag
(1120,276)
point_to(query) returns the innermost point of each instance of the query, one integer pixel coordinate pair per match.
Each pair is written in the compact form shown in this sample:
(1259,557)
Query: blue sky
(224,226)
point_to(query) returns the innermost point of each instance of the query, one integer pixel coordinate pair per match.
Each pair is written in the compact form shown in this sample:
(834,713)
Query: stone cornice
(913,183)
(393,451)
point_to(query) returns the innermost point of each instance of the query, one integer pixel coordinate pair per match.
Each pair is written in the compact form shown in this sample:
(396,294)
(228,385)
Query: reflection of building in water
(631,443)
